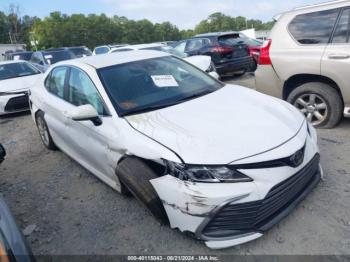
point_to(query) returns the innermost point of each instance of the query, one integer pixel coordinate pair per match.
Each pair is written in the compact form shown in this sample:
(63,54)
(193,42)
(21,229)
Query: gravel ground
(63,209)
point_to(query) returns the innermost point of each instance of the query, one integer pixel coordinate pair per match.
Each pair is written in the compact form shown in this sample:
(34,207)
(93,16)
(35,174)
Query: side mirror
(2,153)
(84,113)
(215,75)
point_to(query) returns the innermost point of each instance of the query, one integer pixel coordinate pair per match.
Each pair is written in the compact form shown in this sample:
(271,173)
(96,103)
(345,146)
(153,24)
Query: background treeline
(59,29)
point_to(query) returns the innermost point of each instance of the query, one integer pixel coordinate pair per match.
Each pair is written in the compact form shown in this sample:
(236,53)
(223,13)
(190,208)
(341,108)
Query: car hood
(200,61)
(19,83)
(230,124)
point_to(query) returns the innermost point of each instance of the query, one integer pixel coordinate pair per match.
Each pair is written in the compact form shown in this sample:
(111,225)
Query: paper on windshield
(48,56)
(16,57)
(164,80)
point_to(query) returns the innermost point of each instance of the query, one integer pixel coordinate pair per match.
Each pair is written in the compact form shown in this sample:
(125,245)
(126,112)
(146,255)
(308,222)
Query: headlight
(206,174)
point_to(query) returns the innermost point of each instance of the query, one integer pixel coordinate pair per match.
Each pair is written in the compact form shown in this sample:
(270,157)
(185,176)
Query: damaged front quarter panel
(189,204)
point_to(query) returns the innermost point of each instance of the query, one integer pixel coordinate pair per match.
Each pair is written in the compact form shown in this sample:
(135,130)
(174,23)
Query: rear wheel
(44,131)
(239,73)
(135,175)
(320,103)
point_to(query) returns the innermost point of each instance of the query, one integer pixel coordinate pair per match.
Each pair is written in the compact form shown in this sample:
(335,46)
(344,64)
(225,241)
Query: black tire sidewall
(51,145)
(330,96)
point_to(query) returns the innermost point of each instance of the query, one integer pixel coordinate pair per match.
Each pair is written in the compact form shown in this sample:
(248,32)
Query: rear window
(314,28)
(231,39)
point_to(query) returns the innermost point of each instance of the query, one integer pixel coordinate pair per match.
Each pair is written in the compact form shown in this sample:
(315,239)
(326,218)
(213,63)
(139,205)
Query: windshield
(80,51)
(101,50)
(57,56)
(235,39)
(151,84)
(22,56)
(14,70)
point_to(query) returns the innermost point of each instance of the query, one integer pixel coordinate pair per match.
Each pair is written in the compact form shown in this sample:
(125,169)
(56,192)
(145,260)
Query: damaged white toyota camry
(220,162)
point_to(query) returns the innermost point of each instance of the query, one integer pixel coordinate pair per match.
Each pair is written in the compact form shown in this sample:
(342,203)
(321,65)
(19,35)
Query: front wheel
(44,131)
(320,103)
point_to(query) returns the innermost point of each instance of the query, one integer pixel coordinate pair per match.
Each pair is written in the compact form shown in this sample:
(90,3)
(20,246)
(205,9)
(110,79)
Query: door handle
(338,56)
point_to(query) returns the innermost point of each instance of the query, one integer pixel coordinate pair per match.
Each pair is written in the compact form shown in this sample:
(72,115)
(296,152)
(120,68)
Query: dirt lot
(63,209)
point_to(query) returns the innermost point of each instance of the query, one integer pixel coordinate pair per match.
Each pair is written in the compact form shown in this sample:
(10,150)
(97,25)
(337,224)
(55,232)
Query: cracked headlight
(206,174)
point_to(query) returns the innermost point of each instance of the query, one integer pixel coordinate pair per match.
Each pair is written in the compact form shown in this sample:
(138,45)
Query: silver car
(306,61)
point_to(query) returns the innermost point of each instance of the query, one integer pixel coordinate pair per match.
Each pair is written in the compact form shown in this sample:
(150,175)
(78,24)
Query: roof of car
(312,7)
(12,62)
(139,46)
(105,60)
(216,34)
(328,3)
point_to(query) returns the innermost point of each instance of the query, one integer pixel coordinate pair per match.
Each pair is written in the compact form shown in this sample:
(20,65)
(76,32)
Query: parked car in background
(254,46)
(80,51)
(16,78)
(228,55)
(307,62)
(202,62)
(43,59)
(13,246)
(19,55)
(104,49)
(224,175)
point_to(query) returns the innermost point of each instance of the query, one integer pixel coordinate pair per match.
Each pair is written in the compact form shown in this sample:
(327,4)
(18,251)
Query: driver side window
(82,91)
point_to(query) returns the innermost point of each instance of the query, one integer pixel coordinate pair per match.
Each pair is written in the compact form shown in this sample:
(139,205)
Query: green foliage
(219,22)
(59,29)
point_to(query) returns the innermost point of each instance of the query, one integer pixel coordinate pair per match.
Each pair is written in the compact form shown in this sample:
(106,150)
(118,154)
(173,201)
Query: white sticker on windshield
(48,56)
(16,57)
(164,80)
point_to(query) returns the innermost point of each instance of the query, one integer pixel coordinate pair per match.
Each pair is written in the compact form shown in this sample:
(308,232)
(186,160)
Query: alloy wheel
(44,133)
(313,106)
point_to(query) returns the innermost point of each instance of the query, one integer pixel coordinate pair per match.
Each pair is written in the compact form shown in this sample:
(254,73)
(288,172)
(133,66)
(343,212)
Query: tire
(323,101)
(44,131)
(135,175)
(239,73)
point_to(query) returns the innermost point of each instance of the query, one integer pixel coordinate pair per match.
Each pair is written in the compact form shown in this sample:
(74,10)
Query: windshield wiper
(195,96)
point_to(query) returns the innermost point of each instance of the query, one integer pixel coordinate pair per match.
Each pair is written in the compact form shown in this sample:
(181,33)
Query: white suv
(307,62)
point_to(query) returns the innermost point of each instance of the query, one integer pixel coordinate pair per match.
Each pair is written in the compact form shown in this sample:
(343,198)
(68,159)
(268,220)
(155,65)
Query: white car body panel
(200,61)
(18,84)
(233,125)
(211,137)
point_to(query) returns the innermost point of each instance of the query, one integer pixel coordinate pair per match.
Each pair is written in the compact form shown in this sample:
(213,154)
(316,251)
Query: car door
(54,104)
(336,59)
(90,143)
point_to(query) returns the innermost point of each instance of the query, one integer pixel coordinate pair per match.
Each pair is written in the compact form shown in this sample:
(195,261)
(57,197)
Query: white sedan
(221,162)
(203,62)
(16,78)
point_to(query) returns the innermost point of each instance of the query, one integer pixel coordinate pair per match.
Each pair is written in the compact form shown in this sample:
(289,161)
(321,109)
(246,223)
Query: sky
(185,14)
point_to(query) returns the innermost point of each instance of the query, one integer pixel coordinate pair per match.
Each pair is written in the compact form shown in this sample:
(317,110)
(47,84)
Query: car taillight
(222,50)
(264,58)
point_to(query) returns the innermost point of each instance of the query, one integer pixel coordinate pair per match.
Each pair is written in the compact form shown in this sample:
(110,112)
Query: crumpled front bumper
(191,207)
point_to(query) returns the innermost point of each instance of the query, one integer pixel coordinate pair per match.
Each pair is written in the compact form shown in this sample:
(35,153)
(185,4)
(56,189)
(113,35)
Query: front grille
(253,216)
(17,103)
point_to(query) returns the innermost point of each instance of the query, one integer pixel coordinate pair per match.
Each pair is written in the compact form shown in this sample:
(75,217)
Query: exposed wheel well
(36,113)
(158,168)
(300,79)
